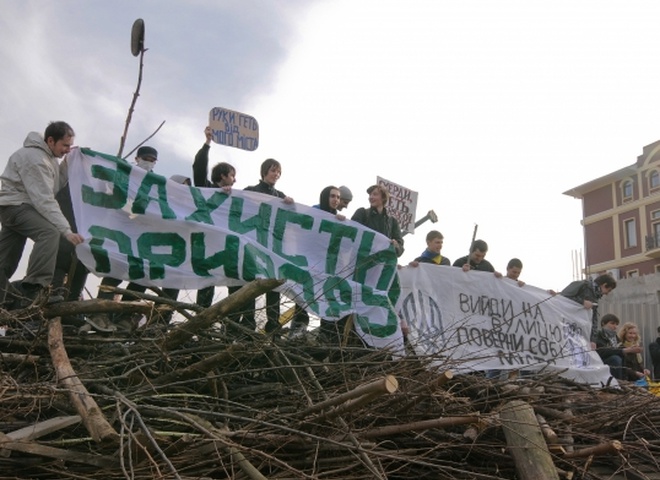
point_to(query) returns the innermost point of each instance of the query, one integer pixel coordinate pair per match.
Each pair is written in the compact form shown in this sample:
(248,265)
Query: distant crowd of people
(35,203)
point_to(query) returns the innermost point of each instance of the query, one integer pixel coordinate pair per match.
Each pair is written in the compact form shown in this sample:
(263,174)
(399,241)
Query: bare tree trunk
(96,424)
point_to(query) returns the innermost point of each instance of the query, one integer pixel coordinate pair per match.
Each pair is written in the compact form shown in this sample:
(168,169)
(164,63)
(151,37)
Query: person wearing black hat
(146,158)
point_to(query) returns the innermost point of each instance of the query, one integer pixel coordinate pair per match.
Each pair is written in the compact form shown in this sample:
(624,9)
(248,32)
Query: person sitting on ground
(633,363)
(28,209)
(434,241)
(608,348)
(223,175)
(654,352)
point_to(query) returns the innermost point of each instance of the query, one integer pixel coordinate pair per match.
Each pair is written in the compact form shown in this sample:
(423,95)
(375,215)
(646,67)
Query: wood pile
(192,402)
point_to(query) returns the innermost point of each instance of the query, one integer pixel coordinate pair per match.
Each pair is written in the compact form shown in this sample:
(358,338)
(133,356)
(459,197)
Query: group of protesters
(35,203)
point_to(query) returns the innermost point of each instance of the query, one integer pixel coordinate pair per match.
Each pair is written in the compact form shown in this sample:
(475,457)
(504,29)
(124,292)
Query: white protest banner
(234,129)
(139,226)
(475,321)
(402,204)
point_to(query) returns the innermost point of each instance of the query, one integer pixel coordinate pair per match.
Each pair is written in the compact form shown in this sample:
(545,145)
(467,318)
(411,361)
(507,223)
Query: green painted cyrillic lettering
(339,294)
(227,258)
(123,241)
(157,261)
(367,260)
(377,330)
(305,280)
(259,222)
(142,198)
(256,264)
(337,232)
(118,176)
(282,219)
(205,206)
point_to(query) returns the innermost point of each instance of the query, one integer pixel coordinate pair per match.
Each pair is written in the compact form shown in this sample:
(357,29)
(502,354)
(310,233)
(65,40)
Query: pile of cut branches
(192,401)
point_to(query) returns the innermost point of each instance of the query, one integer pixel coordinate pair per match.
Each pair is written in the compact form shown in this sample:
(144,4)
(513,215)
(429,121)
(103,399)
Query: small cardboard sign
(234,129)
(402,204)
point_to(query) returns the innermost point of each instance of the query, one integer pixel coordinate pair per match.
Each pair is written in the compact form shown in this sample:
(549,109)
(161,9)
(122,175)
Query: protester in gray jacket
(28,209)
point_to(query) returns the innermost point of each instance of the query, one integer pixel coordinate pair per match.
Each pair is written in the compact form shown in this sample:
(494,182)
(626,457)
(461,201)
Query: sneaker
(297,331)
(126,325)
(30,294)
(101,322)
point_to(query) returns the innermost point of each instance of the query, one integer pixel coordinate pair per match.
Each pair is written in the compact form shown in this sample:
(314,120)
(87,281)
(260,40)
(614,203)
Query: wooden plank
(43,428)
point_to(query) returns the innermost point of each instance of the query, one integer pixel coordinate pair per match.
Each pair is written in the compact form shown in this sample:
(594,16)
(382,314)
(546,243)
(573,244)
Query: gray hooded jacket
(33,176)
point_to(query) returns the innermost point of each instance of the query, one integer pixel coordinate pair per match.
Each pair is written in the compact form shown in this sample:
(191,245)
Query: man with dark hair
(513,270)
(654,351)
(271,170)
(609,349)
(587,293)
(476,260)
(28,209)
(223,175)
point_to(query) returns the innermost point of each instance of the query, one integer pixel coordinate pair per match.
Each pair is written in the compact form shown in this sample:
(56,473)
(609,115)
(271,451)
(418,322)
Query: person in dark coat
(223,175)
(476,259)
(587,293)
(376,217)
(609,348)
(654,352)
(271,170)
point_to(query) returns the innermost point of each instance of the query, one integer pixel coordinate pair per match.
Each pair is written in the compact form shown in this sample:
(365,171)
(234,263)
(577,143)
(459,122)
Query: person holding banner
(223,175)
(587,293)
(513,270)
(329,201)
(476,260)
(145,158)
(28,209)
(376,217)
(271,170)
(434,241)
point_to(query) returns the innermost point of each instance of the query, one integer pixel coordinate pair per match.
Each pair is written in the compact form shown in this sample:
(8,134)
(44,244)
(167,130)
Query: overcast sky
(490,110)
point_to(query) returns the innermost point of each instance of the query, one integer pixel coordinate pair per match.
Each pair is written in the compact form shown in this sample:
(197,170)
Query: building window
(632,273)
(631,233)
(627,190)
(654,180)
(656,235)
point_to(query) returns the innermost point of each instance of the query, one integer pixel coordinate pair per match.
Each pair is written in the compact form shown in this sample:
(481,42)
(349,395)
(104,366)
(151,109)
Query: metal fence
(637,300)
